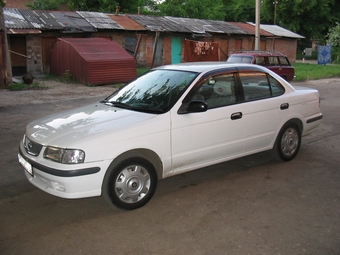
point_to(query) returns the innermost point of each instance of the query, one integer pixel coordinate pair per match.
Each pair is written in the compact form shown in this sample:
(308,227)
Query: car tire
(287,143)
(131,184)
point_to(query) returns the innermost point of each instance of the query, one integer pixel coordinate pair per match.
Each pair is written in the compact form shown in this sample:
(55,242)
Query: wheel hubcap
(289,142)
(132,184)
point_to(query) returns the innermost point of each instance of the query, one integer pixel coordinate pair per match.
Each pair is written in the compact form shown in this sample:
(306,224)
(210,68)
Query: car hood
(65,128)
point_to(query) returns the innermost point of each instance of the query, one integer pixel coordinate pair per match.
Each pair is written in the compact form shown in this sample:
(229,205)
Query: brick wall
(33,48)
(288,47)
(167,50)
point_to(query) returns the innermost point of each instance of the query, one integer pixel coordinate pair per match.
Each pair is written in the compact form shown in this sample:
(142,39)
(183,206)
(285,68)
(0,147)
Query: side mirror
(197,106)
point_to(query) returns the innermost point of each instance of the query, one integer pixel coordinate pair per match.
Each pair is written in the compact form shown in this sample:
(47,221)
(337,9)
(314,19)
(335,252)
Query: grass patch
(140,71)
(22,86)
(305,72)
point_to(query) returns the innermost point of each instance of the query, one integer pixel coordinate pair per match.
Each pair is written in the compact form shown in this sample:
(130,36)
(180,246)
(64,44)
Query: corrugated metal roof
(156,23)
(249,29)
(93,60)
(41,19)
(99,20)
(126,22)
(73,22)
(14,19)
(279,31)
(204,26)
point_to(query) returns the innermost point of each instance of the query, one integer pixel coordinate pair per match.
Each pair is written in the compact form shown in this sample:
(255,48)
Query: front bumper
(66,181)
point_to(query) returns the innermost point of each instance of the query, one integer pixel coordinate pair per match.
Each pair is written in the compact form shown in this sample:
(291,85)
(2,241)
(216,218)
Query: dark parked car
(275,61)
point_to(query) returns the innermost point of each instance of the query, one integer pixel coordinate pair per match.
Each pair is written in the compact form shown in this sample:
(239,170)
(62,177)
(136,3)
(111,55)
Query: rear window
(240,59)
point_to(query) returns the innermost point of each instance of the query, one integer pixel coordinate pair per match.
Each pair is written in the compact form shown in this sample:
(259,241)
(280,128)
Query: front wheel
(287,144)
(131,184)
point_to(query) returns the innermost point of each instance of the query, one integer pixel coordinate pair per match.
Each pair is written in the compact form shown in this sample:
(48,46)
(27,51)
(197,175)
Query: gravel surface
(55,91)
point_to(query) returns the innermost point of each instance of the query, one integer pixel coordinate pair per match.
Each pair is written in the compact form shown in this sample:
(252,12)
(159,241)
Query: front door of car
(203,138)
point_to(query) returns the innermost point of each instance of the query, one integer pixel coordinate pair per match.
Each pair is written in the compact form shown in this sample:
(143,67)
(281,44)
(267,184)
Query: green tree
(239,10)
(44,5)
(310,18)
(333,37)
(200,9)
(109,6)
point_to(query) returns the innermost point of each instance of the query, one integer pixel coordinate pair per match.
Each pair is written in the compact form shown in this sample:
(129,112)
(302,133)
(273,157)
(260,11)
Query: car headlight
(65,156)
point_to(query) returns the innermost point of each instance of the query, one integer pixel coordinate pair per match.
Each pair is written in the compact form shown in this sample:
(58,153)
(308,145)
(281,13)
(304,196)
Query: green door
(176,50)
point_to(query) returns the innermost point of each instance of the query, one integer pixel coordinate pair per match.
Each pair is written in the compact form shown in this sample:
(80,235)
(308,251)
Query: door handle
(284,106)
(236,116)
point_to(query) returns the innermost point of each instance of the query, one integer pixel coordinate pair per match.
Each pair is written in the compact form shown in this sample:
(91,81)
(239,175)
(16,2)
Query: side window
(276,87)
(255,86)
(260,61)
(260,85)
(273,61)
(217,91)
(284,61)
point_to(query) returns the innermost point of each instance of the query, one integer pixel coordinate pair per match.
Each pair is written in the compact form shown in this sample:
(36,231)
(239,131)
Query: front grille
(31,147)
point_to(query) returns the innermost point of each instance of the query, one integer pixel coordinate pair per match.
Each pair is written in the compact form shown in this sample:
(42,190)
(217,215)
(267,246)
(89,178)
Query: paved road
(253,205)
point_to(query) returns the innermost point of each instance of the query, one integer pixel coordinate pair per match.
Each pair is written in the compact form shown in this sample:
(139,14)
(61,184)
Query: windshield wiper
(114,103)
(149,109)
(144,108)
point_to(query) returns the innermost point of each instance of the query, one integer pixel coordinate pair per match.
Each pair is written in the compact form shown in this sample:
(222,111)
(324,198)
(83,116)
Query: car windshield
(154,92)
(239,59)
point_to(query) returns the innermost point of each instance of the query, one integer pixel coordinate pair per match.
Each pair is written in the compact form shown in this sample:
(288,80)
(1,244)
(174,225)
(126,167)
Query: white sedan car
(171,120)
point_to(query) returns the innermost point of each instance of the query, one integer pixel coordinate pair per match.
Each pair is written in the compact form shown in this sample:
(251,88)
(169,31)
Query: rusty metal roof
(157,23)
(81,21)
(99,20)
(206,26)
(126,22)
(73,22)
(249,29)
(93,60)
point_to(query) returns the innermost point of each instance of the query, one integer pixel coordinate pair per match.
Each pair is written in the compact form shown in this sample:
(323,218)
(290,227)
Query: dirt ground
(55,91)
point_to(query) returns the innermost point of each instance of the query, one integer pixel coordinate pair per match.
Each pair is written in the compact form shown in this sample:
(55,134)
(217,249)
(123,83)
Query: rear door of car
(264,109)
(204,138)
(281,66)
(287,70)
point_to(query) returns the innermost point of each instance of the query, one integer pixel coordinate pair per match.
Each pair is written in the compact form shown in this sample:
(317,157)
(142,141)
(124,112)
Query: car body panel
(178,141)
(274,61)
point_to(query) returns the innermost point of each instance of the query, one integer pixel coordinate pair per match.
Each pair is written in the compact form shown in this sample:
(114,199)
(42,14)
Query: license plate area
(26,165)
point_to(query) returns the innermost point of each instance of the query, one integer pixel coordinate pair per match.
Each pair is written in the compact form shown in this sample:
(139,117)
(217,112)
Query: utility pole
(275,3)
(5,76)
(257,27)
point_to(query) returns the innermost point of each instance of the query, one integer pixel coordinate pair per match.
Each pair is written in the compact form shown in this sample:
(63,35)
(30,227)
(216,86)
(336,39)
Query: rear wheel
(287,144)
(131,184)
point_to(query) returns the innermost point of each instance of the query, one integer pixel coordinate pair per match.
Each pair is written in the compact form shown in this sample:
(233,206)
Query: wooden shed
(92,61)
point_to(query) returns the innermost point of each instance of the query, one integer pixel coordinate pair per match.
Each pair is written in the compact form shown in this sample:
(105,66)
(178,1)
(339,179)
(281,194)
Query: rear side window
(284,61)
(273,61)
(259,86)
(260,61)
(276,87)
(240,59)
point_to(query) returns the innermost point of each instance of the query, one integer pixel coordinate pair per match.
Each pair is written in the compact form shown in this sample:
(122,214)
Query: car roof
(206,66)
(259,53)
